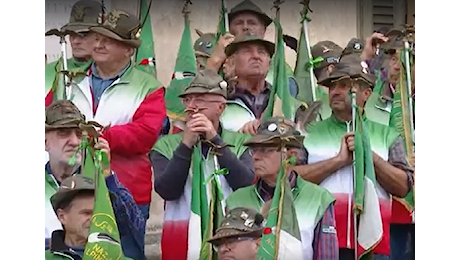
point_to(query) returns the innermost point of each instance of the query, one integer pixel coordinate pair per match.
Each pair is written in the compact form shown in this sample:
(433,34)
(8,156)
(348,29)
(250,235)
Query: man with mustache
(330,145)
(313,204)
(62,139)
(173,155)
(85,13)
(114,92)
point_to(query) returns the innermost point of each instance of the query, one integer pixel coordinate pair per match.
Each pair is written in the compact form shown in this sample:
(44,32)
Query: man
(402,226)
(129,101)
(62,139)
(330,144)
(329,53)
(238,236)
(313,204)
(84,14)
(172,157)
(203,48)
(251,56)
(245,18)
(73,204)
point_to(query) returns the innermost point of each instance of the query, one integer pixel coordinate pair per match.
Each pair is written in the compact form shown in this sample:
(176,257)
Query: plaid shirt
(325,242)
(397,158)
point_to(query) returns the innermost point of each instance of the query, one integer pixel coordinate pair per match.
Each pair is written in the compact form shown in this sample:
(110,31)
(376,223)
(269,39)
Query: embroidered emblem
(272,127)
(79,13)
(113,18)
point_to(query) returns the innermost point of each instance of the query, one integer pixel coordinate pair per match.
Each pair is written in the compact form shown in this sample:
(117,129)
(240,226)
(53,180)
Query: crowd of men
(227,126)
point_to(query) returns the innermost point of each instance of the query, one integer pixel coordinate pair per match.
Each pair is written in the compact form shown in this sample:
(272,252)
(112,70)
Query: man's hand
(218,55)
(370,47)
(104,146)
(345,156)
(198,124)
(250,127)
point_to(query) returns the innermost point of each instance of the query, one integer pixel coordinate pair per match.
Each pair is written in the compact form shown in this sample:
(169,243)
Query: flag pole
(306,7)
(276,6)
(353,169)
(407,47)
(224,6)
(63,43)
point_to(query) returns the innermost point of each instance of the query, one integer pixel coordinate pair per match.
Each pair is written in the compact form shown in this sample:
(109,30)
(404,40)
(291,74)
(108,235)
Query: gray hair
(302,155)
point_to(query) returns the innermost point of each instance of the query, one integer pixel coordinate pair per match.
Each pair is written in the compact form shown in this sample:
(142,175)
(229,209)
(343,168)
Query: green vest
(310,201)
(322,141)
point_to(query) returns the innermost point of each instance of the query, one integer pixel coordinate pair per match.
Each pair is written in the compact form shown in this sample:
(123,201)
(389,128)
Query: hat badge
(357,46)
(272,127)
(223,84)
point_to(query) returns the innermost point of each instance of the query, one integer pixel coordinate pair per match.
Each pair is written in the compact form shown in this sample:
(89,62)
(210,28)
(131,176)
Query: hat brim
(274,141)
(233,47)
(198,90)
(59,197)
(266,20)
(230,232)
(77,27)
(109,33)
(65,123)
(329,81)
(203,54)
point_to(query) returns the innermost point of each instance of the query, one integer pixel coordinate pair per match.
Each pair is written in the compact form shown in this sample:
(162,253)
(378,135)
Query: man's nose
(74,139)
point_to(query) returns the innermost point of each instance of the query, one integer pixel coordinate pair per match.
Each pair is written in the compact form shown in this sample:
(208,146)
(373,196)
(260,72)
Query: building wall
(334,20)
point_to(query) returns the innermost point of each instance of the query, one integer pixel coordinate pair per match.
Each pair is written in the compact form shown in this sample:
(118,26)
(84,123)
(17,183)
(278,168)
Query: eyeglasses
(262,150)
(230,243)
(199,102)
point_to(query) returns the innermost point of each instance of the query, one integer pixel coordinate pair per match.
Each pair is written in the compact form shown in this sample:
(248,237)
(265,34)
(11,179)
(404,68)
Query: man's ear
(292,152)
(62,216)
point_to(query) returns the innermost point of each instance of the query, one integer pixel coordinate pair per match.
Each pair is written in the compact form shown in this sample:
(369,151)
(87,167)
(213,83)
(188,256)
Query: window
(374,14)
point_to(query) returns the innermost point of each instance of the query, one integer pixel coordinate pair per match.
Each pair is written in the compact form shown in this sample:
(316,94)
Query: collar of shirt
(48,170)
(266,192)
(95,74)
(239,91)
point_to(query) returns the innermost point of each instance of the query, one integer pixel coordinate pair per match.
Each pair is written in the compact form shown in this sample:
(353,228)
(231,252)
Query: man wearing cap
(330,144)
(313,204)
(402,225)
(204,101)
(203,48)
(245,18)
(62,139)
(251,56)
(327,54)
(129,101)
(85,13)
(238,236)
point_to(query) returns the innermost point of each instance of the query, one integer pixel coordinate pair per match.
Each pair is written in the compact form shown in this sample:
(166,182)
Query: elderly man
(313,204)
(129,101)
(178,162)
(330,144)
(238,236)
(251,56)
(73,204)
(244,19)
(84,14)
(62,139)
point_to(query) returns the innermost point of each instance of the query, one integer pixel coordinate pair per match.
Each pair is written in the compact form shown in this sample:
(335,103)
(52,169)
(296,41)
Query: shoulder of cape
(243,192)
(167,144)
(389,133)
(142,79)
(318,126)
(311,189)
